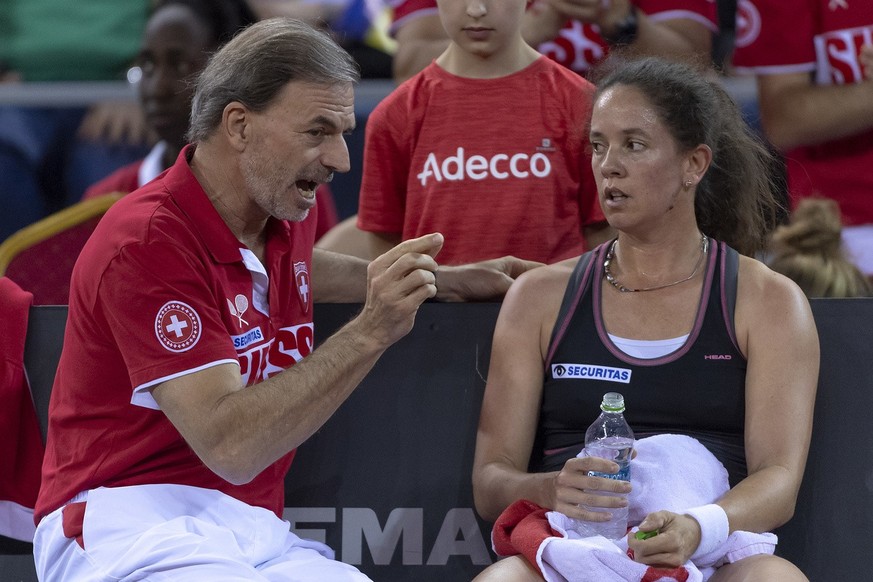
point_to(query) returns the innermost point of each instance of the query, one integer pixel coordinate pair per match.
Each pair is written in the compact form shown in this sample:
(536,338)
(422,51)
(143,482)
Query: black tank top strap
(579,282)
(730,266)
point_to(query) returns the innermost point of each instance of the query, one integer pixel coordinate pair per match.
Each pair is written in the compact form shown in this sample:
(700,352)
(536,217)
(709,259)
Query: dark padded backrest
(828,536)
(386,482)
(42,350)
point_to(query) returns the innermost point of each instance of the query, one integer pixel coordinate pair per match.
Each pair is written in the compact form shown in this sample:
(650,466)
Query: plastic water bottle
(610,437)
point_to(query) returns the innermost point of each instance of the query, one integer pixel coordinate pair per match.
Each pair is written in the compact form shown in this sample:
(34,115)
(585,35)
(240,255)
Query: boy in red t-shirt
(486,145)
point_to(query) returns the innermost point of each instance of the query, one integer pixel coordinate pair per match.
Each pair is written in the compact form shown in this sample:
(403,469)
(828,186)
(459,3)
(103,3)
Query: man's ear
(235,124)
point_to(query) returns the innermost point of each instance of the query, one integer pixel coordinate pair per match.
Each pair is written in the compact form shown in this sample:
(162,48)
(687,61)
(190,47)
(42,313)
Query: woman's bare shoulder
(535,297)
(766,298)
(760,285)
(547,280)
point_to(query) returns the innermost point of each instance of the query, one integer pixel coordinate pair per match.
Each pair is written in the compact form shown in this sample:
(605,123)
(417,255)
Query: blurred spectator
(814,66)
(809,251)
(575,33)
(42,165)
(359,26)
(180,35)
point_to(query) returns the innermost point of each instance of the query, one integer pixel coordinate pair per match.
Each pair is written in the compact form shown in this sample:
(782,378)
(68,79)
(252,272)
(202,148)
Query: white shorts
(179,533)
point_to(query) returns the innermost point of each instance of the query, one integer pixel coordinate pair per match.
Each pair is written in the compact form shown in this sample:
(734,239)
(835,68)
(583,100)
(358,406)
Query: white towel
(670,472)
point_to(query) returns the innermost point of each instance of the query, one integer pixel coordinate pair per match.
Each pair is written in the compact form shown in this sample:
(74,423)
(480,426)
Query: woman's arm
(511,407)
(781,345)
(776,332)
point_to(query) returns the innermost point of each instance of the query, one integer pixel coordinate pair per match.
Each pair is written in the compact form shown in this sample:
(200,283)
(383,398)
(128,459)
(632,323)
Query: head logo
(748,24)
(559,370)
(238,307)
(301,276)
(177,326)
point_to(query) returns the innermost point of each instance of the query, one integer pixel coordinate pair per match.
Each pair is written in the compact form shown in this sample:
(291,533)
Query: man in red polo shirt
(188,375)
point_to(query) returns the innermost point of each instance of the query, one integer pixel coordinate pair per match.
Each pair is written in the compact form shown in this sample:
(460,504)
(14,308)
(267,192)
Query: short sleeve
(773,36)
(406,10)
(703,11)
(382,202)
(157,300)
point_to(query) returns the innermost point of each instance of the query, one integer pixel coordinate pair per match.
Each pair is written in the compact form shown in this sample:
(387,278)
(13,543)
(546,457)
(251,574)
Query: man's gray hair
(257,63)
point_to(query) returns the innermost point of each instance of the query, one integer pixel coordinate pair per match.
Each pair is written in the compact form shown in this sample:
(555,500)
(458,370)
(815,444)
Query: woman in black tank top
(684,182)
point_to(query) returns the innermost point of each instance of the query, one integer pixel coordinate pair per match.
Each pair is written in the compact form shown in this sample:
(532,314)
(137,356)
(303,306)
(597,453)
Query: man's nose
(336,154)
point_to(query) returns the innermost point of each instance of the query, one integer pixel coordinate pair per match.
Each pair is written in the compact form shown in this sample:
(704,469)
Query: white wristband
(714,528)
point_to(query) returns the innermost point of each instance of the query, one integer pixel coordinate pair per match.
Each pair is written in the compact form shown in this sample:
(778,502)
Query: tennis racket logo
(238,307)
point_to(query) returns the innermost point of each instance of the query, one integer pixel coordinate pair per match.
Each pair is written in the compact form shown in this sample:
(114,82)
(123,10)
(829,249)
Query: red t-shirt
(497,165)
(163,289)
(822,38)
(579,46)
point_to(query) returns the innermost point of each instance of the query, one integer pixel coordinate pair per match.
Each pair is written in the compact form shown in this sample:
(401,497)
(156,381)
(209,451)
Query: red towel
(521,529)
(21,446)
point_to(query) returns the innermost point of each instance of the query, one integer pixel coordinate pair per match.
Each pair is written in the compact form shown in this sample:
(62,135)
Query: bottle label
(622,475)
(616,449)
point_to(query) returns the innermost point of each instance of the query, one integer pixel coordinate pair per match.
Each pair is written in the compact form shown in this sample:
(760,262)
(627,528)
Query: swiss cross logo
(748,24)
(578,46)
(304,292)
(177,326)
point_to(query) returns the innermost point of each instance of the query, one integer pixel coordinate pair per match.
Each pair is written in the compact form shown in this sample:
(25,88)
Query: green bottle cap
(612,402)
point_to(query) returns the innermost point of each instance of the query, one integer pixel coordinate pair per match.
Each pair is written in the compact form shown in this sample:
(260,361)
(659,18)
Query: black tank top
(697,390)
